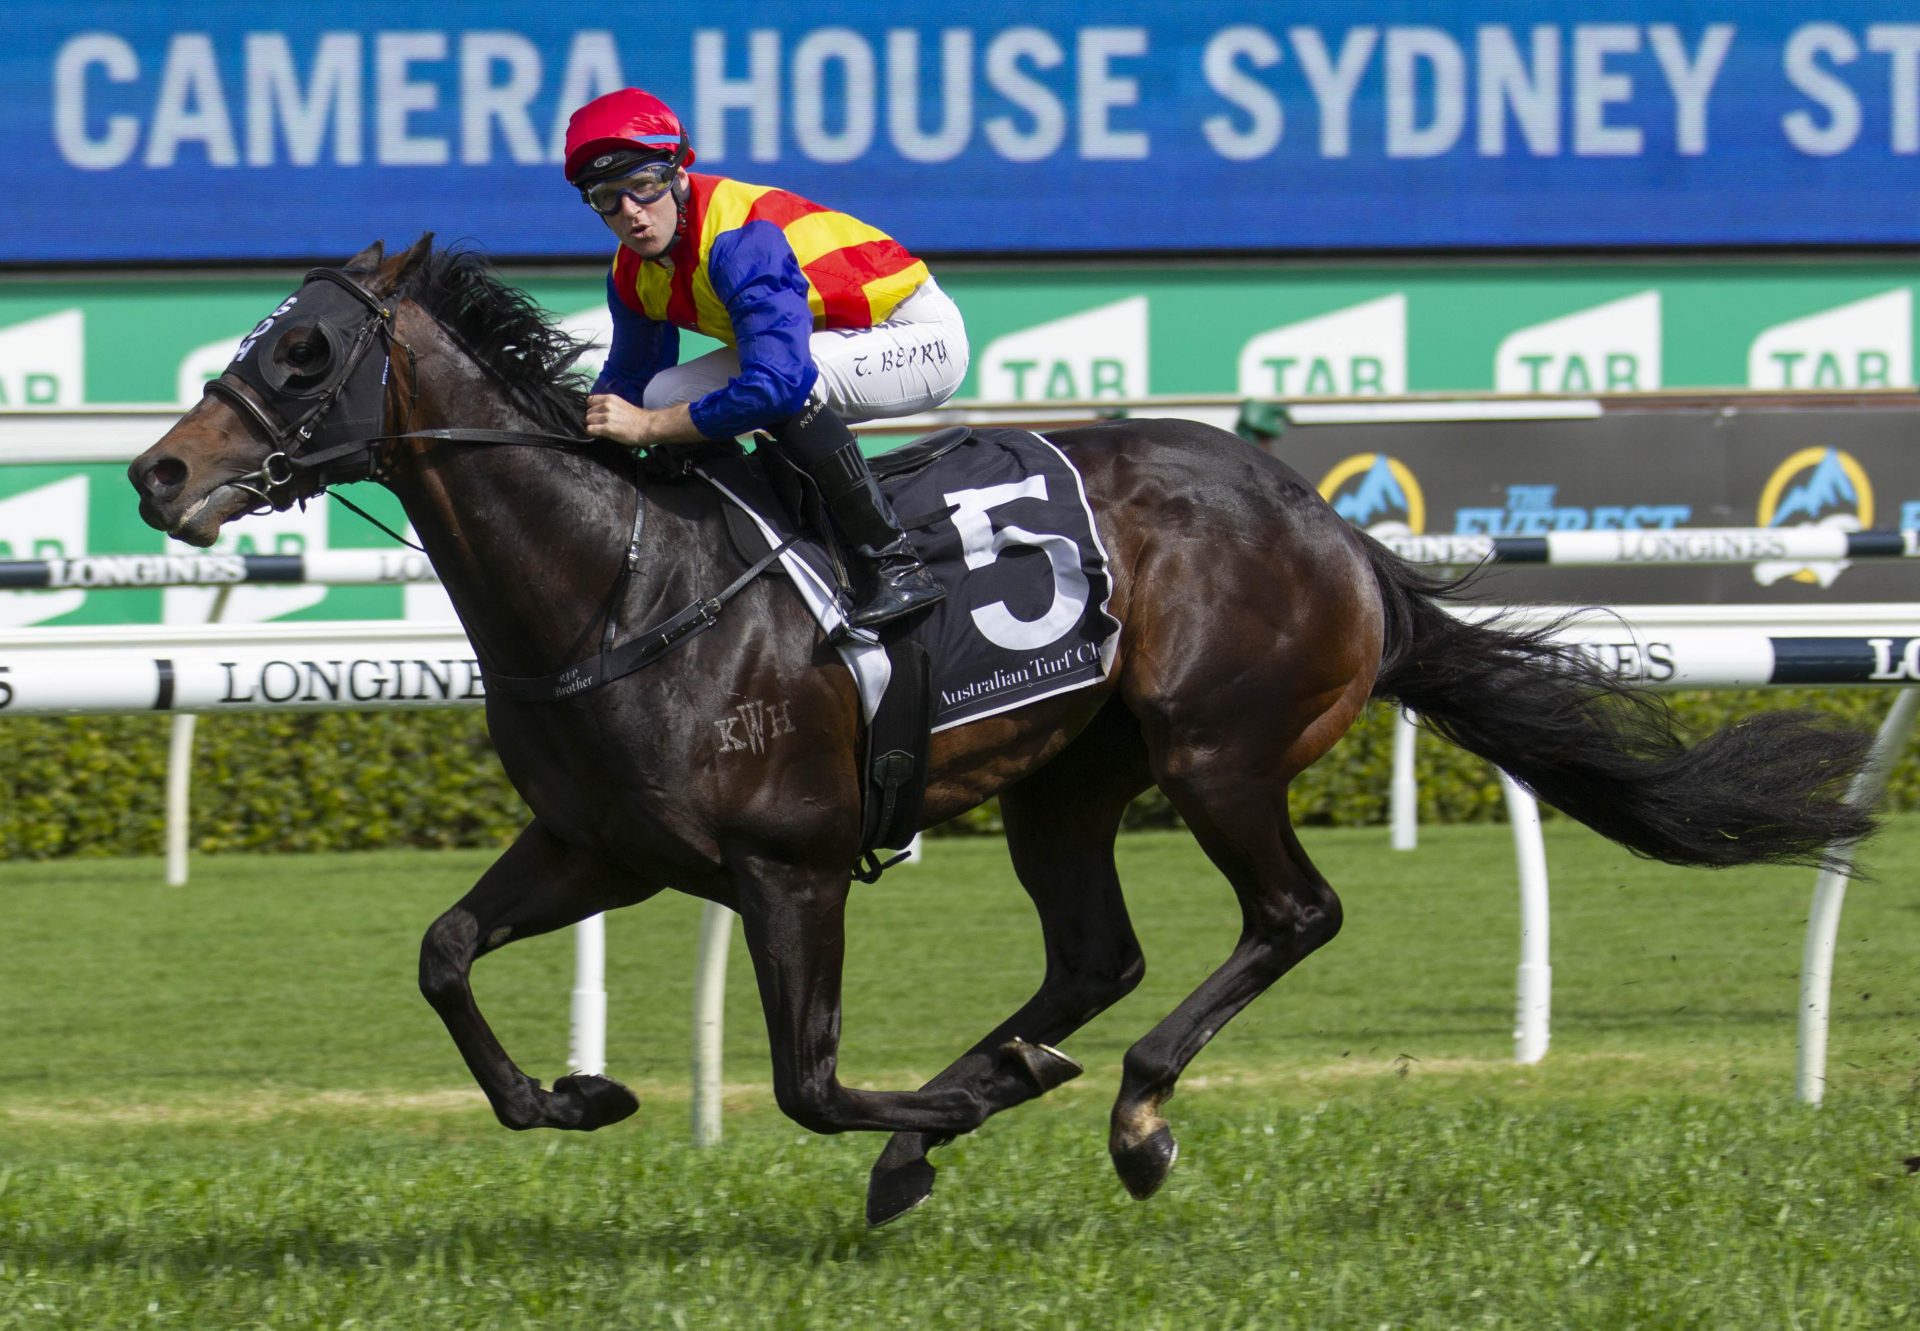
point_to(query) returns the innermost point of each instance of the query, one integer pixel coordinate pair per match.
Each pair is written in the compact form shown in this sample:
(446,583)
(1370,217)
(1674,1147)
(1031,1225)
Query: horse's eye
(300,353)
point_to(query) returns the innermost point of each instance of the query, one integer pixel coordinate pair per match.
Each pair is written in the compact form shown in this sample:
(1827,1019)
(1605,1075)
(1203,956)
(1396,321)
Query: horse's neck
(529,542)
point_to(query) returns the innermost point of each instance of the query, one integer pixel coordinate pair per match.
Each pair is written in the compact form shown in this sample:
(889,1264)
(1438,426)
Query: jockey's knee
(660,394)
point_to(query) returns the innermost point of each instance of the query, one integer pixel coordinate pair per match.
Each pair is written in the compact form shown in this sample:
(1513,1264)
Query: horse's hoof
(891,1193)
(1144,1166)
(591,1102)
(1041,1065)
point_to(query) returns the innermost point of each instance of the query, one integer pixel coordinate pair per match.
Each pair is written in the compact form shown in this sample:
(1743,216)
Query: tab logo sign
(1866,344)
(46,522)
(43,361)
(1611,348)
(1100,352)
(1359,350)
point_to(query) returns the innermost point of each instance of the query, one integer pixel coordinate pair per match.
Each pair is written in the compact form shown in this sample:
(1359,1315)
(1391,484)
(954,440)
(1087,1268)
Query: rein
(292,472)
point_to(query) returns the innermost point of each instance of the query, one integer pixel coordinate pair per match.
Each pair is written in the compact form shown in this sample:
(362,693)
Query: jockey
(825,319)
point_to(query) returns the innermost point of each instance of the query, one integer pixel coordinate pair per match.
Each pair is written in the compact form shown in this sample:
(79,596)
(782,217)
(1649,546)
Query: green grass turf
(226,1105)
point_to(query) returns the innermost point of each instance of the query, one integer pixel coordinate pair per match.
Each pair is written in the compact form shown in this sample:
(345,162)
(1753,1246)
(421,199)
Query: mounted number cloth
(1009,534)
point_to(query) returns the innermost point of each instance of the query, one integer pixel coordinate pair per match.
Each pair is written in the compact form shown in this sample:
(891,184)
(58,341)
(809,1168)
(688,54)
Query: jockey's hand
(615,418)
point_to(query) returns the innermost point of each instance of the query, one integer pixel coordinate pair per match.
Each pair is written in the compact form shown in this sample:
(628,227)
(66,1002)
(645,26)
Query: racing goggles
(644,186)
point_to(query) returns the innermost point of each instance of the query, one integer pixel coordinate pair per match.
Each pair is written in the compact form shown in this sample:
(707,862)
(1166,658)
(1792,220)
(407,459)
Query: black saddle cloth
(1001,518)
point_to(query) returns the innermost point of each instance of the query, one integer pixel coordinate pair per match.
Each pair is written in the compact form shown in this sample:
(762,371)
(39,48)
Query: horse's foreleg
(539,885)
(1060,826)
(794,923)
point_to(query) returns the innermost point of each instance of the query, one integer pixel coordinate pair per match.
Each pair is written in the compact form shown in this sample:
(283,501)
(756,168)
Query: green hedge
(268,781)
(287,781)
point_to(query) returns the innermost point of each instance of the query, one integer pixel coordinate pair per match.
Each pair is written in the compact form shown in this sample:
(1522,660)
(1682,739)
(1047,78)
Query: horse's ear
(370,257)
(397,269)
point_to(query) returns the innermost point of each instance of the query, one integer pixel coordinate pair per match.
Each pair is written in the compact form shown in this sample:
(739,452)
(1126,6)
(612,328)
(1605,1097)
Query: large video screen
(222,131)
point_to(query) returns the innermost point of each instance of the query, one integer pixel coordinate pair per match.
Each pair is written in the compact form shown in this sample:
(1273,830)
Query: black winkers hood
(314,357)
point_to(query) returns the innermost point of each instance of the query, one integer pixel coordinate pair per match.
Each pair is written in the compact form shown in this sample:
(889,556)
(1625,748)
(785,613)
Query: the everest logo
(1866,344)
(43,361)
(1815,487)
(1357,350)
(46,522)
(1611,348)
(1378,494)
(1097,353)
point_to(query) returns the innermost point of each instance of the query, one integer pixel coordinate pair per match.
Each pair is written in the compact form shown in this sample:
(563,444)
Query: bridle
(304,459)
(288,434)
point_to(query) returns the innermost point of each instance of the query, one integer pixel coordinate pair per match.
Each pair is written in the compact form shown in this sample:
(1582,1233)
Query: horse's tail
(1769,789)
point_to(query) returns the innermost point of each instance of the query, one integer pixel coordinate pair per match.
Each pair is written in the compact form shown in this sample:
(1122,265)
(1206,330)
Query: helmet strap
(682,196)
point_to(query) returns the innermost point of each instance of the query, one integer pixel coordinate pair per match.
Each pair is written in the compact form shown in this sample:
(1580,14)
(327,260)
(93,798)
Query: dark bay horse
(1257,624)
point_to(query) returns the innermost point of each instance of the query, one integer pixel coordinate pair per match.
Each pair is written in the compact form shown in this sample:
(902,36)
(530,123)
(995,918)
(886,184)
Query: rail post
(709,1021)
(1829,893)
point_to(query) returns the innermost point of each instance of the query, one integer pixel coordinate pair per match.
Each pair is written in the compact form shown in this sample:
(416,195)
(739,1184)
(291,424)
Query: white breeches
(912,362)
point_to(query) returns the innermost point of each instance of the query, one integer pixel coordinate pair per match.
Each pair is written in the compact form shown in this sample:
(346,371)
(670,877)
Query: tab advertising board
(220,131)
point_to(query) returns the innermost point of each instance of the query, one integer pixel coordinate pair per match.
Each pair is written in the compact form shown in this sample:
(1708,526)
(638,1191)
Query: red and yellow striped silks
(856,274)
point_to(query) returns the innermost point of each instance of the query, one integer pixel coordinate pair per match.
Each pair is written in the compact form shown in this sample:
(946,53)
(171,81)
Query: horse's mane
(506,334)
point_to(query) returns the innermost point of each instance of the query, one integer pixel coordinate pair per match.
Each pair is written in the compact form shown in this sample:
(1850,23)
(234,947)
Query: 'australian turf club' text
(1062,664)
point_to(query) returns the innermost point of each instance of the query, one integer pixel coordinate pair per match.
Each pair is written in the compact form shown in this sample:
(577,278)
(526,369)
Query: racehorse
(1257,625)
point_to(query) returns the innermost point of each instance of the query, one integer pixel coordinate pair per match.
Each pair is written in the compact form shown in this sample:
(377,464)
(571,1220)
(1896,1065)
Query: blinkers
(307,378)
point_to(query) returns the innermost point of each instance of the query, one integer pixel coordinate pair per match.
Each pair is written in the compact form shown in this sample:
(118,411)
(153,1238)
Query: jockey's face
(648,229)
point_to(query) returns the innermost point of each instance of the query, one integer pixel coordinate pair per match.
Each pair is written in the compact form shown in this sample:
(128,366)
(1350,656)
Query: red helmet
(626,120)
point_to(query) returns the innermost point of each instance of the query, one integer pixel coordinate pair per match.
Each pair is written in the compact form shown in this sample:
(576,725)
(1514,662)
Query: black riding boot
(900,584)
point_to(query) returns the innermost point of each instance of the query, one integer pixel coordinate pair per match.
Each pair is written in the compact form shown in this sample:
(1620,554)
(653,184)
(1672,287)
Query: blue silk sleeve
(641,348)
(757,277)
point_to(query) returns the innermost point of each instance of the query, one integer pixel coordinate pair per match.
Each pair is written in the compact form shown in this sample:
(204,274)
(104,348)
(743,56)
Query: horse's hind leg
(539,885)
(1287,910)
(1241,683)
(1060,829)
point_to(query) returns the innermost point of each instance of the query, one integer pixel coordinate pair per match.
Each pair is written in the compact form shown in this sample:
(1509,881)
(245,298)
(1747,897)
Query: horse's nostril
(167,473)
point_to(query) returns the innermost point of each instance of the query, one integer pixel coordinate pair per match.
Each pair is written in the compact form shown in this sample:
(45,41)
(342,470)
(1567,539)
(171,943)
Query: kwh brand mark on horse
(752,725)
